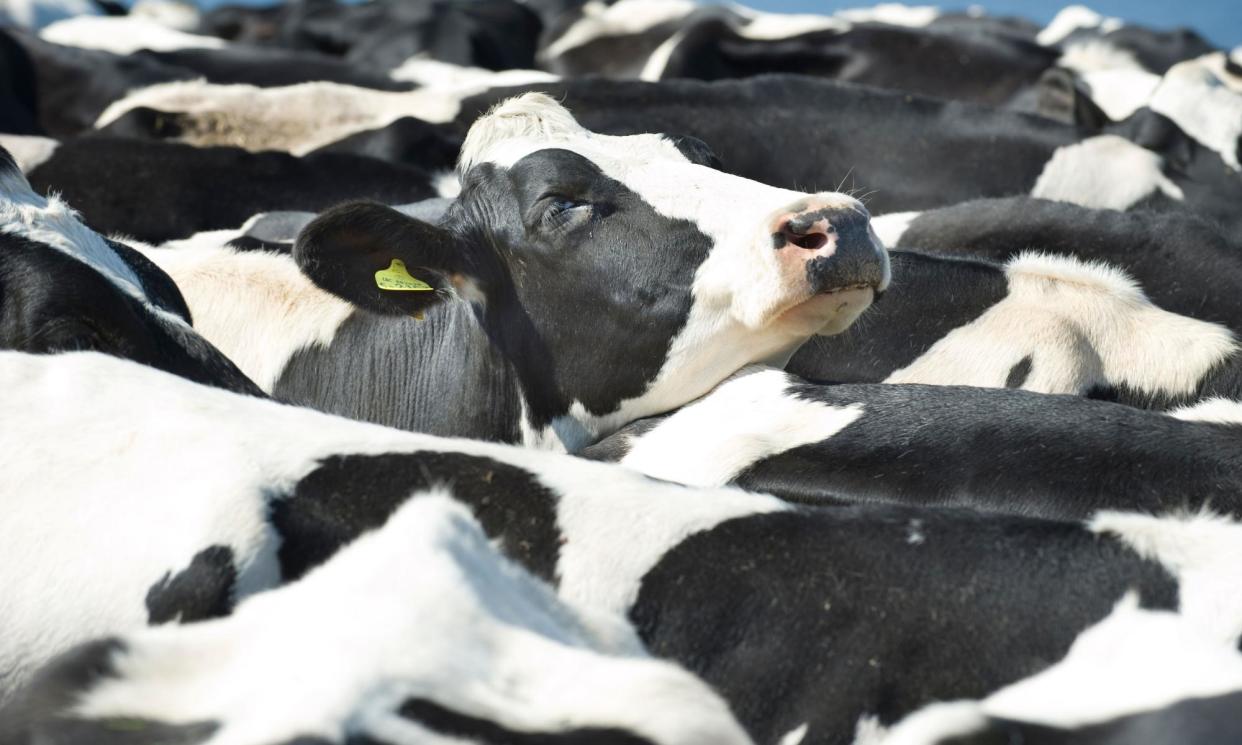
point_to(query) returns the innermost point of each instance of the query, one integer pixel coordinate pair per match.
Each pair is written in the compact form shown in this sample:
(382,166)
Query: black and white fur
(418,632)
(847,611)
(63,287)
(1015,452)
(560,239)
(1039,322)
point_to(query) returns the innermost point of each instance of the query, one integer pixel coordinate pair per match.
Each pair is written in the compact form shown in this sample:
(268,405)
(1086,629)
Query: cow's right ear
(1059,98)
(383,261)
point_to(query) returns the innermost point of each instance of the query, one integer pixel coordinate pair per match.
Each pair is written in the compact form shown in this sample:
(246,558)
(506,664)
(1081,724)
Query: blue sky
(1218,20)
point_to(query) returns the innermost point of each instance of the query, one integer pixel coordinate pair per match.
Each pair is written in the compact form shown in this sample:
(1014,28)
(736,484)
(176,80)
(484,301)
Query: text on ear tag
(396,278)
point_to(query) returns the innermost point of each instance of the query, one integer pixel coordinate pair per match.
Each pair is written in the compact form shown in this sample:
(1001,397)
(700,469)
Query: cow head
(64,287)
(623,276)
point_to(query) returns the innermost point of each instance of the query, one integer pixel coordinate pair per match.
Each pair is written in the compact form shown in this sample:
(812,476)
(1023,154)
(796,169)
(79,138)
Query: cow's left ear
(383,261)
(1060,98)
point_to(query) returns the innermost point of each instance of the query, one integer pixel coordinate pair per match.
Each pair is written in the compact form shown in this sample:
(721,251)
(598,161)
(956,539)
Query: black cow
(65,288)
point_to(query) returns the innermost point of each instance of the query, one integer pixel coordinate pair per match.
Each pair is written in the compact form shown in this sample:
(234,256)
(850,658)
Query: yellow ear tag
(396,278)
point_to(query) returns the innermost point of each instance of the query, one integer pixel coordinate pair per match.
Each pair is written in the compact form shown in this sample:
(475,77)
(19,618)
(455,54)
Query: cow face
(63,288)
(622,271)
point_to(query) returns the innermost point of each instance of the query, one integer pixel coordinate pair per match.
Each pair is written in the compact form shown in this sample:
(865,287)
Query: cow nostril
(813,242)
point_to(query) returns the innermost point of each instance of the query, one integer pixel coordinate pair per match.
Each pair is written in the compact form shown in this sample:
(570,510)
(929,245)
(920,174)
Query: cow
(158,191)
(552,218)
(1000,451)
(802,618)
(415,632)
(64,287)
(1184,263)
(1137,676)
(1039,322)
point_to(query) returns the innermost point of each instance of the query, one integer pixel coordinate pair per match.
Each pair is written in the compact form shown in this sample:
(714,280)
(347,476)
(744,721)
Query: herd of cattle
(904,343)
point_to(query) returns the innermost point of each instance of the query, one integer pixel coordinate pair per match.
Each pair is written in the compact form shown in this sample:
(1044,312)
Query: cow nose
(828,243)
(808,230)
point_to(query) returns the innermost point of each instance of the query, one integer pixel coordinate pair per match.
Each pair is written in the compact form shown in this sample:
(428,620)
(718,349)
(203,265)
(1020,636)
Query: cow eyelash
(561,211)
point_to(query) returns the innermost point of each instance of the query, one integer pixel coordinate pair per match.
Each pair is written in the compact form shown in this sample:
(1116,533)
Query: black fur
(927,298)
(1194,721)
(537,272)
(836,613)
(202,590)
(52,303)
(997,450)
(347,495)
(157,191)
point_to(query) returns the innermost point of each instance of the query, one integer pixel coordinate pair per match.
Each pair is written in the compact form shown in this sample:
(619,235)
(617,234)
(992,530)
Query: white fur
(892,226)
(746,306)
(1133,661)
(1120,91)
(747,418)
(1097,55)
(422,607)
(125,35)
(115,473)
(869,731)
(1214,410)
(1203,551)
(446,184)
(36,14)
(256,307)
(622,18)
(772,26)
(1201,102)
(30,151)
(1070,19)
(1083,325)
(795,736)
(657,63)
(295,118)
(437,74)
(179,15)
(894,14)
(1103,172)
(53,223)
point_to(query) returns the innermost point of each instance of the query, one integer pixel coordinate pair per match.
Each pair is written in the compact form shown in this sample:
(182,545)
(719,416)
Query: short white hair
(532,115)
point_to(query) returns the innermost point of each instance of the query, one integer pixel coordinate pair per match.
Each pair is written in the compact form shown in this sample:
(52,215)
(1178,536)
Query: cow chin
(829,313)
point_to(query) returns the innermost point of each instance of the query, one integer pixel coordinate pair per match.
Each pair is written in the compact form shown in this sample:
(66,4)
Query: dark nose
(837,245)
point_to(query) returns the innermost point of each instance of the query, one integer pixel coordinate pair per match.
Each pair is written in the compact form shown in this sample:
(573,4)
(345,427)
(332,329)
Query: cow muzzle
(830,259)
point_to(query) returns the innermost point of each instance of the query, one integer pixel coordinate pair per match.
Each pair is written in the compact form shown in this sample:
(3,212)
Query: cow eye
(562,212)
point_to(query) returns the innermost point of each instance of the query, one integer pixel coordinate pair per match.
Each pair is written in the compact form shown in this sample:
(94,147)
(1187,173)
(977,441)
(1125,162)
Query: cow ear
(1059,98)
(383,261)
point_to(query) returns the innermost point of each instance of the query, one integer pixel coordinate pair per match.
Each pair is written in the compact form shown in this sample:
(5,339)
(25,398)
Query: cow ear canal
(382,260)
